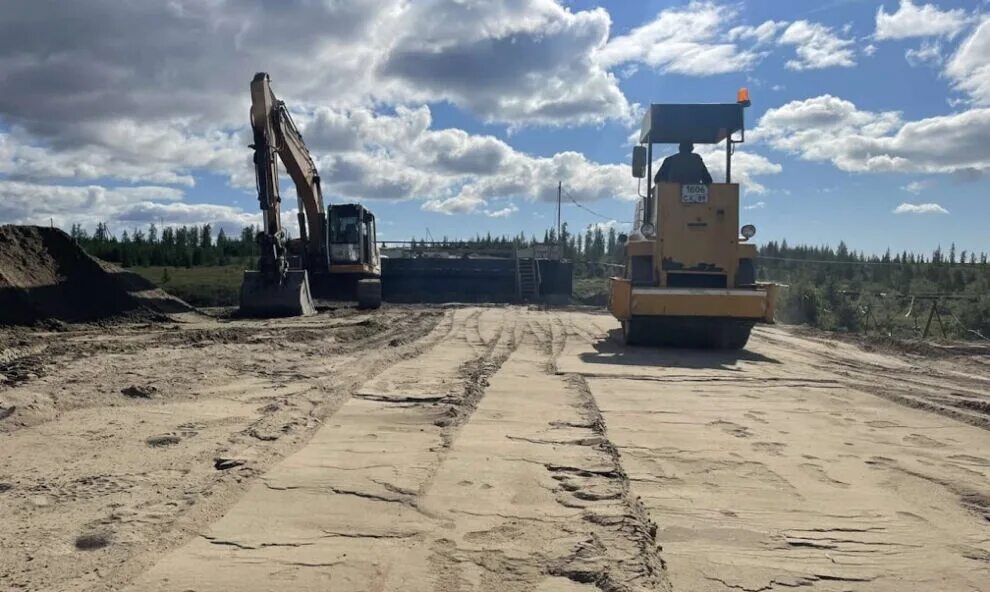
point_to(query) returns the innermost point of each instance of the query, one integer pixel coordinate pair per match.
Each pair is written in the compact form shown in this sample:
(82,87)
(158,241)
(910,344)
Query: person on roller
(685,167)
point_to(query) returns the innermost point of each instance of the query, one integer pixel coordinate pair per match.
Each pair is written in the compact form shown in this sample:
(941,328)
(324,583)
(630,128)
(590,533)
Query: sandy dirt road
(119,442)
(515,449)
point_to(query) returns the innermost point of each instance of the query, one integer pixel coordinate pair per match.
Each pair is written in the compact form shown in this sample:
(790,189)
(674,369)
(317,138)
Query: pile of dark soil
(45,277)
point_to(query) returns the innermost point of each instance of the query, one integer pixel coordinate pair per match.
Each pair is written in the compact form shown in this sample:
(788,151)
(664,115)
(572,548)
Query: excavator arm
(276,289)
(275,134)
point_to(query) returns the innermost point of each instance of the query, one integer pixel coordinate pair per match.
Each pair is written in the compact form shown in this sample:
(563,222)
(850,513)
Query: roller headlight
(648,230)
(748,231)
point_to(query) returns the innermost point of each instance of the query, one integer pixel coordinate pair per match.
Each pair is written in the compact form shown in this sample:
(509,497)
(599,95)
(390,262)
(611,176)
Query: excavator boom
(276,289)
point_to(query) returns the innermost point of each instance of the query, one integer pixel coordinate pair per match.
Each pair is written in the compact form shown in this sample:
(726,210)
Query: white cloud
(460,204)
(870,50)
(917,187)
(817,47)
(930,52)
(126,151)
(361,155)
(528,61)
(67,120)
(514,61)
(911,20)
(400,156)
(762,33)
(925,208)
(831,129)
(81,105)
(536,178)
(687,40)
(143,213)
(746,166)
(122,207)
(183,60)
(364,175)
(505,212)
(969,67)
(756,206)
(606,225)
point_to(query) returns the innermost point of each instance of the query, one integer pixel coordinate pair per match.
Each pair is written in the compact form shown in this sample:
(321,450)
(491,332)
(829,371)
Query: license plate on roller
(694,194)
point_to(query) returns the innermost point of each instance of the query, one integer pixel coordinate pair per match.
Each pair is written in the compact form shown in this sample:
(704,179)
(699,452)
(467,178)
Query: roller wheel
(369,293)
(739,338)
(730,336)
(632,332)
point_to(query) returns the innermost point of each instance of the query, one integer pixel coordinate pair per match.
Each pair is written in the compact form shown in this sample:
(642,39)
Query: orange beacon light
(742,97)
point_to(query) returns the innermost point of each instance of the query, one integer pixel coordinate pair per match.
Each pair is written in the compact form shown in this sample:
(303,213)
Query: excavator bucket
(265,296)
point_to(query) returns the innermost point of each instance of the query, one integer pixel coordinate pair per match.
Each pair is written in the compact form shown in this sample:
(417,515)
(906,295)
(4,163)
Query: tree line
(594,246)
(197,245)
(831,288)
(174,246)
(892,294)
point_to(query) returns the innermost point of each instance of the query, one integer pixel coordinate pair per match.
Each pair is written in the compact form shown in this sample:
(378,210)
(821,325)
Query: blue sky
(869,121)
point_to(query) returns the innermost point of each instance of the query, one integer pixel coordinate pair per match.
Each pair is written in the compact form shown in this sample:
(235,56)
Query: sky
(870,120)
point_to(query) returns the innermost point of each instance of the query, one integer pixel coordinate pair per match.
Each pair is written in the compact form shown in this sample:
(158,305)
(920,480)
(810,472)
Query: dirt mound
(46,277)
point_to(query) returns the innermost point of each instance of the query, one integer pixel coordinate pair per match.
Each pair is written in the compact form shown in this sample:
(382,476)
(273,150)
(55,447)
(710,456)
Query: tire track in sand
(339,509)
(531,495)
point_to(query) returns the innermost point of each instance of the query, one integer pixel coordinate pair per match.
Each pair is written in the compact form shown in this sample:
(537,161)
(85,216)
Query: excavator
(336,254)
(690,277)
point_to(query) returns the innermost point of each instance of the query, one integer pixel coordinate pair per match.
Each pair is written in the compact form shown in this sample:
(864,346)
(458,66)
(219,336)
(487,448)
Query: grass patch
(218,285)
(591,290)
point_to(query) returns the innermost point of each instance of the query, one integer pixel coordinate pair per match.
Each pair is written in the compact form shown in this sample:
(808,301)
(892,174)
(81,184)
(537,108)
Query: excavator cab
(355,266)
(352,239)
(690,279)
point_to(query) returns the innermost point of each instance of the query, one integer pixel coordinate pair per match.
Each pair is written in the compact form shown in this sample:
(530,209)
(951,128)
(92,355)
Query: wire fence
(584,207)
(889,263)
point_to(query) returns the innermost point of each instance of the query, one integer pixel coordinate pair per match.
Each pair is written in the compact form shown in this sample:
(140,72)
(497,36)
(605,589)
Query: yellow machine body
(625,302)
(694,282)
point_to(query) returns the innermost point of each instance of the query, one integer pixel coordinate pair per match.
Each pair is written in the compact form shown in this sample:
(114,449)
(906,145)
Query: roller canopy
(699,124)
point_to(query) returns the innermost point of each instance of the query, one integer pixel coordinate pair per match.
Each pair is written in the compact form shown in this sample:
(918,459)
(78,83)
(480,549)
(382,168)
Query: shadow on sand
(611,350)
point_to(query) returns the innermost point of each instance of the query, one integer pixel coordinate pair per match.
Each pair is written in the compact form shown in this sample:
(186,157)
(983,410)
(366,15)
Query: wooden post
(910,314)
(931,315)
(938,316)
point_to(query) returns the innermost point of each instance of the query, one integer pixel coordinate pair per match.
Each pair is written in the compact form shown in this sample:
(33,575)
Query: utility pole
(560,187)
